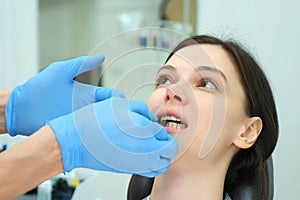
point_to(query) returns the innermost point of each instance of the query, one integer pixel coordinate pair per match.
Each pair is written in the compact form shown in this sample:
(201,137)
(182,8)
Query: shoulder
(227,197)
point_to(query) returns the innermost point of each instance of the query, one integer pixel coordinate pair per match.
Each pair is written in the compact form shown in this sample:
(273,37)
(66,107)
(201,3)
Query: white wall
(18,47)
(272,29)
(71,28)
(18,39)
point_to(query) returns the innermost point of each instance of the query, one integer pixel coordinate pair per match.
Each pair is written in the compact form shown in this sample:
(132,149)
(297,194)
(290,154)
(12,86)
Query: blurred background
(35,33)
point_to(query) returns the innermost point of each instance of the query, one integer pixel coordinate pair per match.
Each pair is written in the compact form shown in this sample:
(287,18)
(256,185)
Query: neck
(190,182)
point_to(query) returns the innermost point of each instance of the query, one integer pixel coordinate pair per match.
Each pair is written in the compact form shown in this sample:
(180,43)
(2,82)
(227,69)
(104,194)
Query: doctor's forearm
(4,96)
(29,163)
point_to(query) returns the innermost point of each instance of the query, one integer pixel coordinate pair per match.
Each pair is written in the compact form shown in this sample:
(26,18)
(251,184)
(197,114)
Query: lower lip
(173,130)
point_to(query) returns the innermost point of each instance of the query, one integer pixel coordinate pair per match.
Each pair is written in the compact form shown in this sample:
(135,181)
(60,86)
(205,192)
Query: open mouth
(172,122)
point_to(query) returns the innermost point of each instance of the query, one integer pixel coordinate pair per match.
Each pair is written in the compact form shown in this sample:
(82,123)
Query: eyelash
(161,80)
(205,81)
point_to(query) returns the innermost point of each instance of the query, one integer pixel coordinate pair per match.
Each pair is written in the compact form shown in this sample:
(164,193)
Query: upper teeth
(169,117)
(172,121)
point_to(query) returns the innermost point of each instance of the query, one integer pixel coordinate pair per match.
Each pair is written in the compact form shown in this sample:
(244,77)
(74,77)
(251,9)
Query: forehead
(208,55)
(193,55)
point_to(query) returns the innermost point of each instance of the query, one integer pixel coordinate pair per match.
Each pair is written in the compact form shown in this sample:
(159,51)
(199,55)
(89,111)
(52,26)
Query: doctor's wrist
(50,150)
(4,97)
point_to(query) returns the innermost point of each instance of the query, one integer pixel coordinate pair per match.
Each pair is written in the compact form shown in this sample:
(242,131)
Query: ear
(249,133)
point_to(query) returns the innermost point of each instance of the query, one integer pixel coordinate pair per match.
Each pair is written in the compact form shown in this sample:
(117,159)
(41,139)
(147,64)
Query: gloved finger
(103,93)
(82,64)
(83,94)
(162,134)
(136,125)
(141,127)
(142,109)
(170,148)
(158,163)
(152,174)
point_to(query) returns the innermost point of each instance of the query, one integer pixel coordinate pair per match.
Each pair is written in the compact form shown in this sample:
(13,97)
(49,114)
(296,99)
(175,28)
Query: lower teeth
(174,125)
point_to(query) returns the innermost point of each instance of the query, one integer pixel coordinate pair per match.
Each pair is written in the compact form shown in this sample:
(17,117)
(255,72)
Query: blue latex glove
(115,135)
(52,93)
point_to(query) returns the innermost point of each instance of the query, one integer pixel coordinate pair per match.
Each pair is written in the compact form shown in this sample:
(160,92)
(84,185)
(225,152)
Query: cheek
(199,114)
(156,98)
(235,118)
(211,115)
(204,112)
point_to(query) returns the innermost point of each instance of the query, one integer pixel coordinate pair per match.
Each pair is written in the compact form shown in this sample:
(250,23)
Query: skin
(211,103)
(29,163)
(4,96)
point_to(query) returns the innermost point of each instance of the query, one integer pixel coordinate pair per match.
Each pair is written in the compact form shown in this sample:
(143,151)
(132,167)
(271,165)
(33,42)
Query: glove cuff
(64,130)
(10,112)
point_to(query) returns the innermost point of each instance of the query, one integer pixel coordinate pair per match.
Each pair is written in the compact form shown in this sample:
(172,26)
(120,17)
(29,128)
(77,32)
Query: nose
(174,97)
(173,94)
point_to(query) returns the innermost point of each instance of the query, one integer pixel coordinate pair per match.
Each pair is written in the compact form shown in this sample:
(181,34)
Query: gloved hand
(52,93)
(114,135)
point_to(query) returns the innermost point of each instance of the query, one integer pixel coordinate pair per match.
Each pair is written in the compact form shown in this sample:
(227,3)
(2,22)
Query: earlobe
(248,136)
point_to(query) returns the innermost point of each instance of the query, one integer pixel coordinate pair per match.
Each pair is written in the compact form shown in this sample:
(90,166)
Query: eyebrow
(211,69)
(168,67)
(198,69)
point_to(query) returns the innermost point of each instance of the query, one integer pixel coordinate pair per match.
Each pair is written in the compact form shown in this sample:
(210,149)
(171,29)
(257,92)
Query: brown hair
(259,102)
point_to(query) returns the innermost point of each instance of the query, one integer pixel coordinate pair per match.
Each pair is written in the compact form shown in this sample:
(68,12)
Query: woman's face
(199,100)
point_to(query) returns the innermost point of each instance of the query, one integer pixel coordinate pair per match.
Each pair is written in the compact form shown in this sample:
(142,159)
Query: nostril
(178,98)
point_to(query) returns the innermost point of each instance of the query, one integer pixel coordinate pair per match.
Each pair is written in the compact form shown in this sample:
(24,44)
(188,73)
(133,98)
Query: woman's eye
(163,80)
(206,83)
